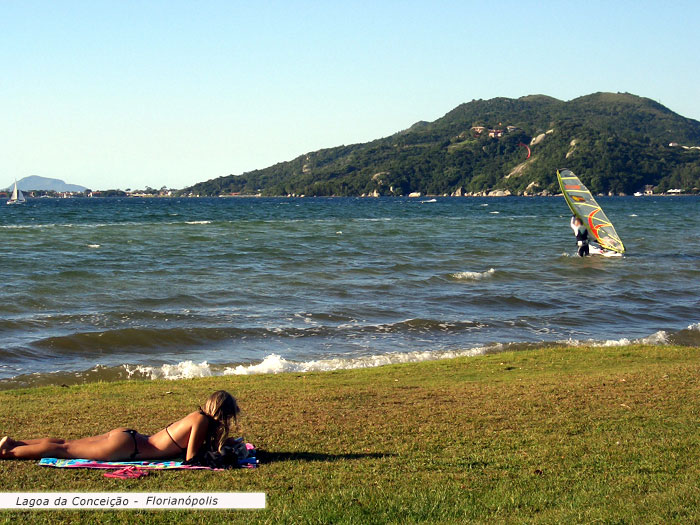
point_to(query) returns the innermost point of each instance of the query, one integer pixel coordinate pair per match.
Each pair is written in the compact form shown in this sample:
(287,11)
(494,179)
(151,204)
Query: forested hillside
(617,143)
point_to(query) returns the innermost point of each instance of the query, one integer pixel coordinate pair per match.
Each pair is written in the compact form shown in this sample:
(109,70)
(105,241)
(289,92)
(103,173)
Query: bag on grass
(239,454)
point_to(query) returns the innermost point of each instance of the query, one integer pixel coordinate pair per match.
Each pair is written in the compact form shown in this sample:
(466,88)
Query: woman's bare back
(184,436)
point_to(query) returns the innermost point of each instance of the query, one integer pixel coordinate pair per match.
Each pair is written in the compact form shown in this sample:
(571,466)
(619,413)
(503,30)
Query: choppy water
(170,288)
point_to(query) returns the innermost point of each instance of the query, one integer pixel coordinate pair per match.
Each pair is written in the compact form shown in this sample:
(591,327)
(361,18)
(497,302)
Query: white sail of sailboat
(17,196)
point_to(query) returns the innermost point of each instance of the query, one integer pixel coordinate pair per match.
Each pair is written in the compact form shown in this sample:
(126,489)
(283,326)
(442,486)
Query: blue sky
(129,93)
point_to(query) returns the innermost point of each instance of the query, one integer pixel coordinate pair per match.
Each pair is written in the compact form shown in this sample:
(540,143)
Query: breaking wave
(274,364)
(137,340)
(657,338)
(473,276)
(182,370)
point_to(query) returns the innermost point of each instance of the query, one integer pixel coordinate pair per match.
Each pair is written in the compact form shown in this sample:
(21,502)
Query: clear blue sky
(135,93)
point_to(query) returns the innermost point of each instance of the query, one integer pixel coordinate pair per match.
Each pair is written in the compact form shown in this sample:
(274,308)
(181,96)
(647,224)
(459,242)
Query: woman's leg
(8,442)
(15,443)
(92,439)
(115,445)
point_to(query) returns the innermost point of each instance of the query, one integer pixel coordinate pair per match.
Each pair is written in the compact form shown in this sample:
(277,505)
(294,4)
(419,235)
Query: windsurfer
(581,234)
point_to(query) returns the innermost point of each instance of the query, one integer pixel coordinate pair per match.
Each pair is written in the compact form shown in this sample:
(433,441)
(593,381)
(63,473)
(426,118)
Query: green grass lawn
(548,435)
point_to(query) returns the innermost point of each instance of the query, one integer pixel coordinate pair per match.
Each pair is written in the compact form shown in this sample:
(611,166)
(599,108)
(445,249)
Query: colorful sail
(584,206)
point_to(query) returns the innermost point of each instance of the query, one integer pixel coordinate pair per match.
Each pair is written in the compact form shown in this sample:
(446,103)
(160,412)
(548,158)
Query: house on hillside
(495,133)
(478,130)
(511,129)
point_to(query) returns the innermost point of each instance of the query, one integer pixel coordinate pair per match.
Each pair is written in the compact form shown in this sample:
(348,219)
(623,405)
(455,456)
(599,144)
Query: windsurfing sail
(584,206)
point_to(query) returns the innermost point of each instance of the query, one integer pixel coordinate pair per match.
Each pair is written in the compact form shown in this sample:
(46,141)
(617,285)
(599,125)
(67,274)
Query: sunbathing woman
(205,429)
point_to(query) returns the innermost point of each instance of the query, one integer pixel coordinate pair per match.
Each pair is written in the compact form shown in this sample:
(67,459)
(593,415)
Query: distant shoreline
(427,196)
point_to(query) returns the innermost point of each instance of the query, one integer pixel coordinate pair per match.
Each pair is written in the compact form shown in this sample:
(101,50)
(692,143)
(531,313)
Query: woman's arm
(573,226)
(197,435)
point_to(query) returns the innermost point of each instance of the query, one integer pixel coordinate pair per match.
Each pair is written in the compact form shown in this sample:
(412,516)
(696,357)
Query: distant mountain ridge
(615,142)
(35,182)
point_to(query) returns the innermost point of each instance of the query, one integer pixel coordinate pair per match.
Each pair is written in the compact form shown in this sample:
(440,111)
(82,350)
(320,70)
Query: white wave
(30,226)
(614,342)
(657,338)
(275,364)
(93,245)
(483,204)
(633,215)
(695,327)
(494,212)
(473,276)
(429,200)
(182,370)
(97,225)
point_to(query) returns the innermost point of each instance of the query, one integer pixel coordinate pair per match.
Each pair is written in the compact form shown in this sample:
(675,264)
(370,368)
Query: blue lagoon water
(115,288)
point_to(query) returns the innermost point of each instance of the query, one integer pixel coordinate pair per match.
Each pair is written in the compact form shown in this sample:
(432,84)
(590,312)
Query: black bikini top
(184,449)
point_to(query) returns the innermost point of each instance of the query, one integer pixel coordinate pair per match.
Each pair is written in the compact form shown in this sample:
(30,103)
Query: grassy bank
(550,435)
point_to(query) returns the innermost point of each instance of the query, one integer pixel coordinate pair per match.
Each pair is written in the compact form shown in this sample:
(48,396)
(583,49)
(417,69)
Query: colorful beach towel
(147,465)
(242,455)
(250,462)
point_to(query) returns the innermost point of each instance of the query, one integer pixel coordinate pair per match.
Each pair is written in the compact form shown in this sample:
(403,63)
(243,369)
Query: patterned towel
(89,463)
(240,454)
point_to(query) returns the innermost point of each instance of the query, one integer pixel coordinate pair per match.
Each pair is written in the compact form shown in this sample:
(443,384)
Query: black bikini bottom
(136,446)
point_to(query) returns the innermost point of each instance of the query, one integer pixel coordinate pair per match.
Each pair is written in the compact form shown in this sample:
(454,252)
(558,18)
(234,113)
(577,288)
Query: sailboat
(17,197)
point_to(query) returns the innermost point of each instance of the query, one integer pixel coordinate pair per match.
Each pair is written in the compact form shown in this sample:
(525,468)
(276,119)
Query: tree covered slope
(616,142)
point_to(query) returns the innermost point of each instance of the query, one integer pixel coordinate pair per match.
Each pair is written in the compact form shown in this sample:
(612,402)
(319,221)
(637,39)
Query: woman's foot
(4,445)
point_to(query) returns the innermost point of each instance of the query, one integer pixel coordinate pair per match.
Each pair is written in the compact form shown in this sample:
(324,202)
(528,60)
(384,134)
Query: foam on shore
(274,364)
(182,370)
(657,338)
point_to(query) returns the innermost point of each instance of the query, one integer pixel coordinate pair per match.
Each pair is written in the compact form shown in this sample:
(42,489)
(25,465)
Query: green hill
(616,142)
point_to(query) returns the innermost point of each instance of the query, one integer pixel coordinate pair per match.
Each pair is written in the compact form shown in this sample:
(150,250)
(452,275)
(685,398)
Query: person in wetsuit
(206,428)
(581,234)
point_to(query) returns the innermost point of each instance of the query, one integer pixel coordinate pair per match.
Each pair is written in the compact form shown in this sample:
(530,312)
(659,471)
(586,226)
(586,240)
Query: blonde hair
(222,408)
